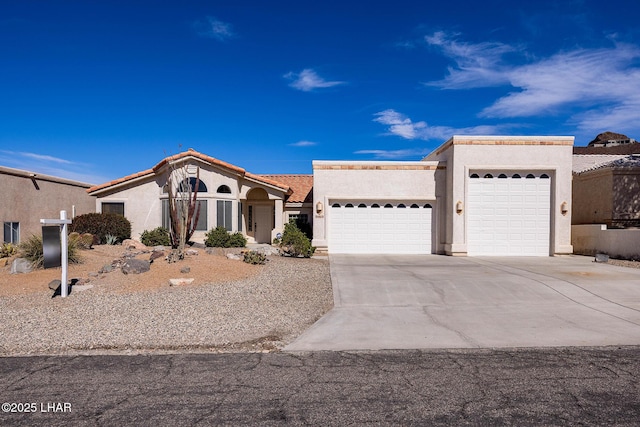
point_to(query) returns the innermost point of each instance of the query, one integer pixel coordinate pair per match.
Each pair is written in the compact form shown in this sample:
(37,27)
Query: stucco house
(28,197)
(229,196)
(606,189)
(474,195)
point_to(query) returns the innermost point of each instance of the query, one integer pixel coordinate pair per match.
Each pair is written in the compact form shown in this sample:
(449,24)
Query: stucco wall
(397,181)
(593,197)
(596,238)
(552,155)
(26,200)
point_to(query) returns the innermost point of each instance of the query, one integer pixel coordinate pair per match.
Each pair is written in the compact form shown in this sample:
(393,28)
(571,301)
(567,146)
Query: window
(12,232)
(388,205)
(362,205)
(239,216)
(223,210)
(111,207)
(224,189)
(475,175)
(401,205)
(414,206)
(375,205)
(427,206)
(348,205)
(488,175)
(335,205)
(303,218)
(544,176)
(530,176)
(190,183)
(516,176)
(502,176)
(202,217)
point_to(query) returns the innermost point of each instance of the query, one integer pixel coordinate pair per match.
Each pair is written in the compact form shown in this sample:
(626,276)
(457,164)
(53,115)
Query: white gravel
(262,313)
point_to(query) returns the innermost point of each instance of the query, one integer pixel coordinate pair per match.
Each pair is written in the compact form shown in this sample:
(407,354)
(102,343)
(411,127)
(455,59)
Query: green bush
(294,242)
(31,249)
(219,237)
(255,258)
(157,237)
(101,225)
(237,240)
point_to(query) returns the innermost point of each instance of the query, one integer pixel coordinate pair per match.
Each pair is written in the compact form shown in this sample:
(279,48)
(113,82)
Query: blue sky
(95,90)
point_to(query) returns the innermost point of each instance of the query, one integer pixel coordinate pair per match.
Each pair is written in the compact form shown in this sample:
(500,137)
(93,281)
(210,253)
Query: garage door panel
(508,216)
(380,230)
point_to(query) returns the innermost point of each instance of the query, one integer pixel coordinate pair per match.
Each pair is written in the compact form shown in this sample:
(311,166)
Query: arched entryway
(260,215)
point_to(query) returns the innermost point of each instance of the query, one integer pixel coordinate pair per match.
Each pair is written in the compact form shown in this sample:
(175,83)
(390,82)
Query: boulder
(191,252)
(21,265)
(234,257)
(180,282)
(135,266)
(129,244)
(185,270)
(157,254)
(54,284)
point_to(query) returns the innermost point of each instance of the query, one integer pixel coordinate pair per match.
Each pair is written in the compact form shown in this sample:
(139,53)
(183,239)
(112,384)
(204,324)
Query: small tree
(184,210)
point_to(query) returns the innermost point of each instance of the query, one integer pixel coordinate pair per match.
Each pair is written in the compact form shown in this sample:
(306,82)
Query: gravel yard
(262,310)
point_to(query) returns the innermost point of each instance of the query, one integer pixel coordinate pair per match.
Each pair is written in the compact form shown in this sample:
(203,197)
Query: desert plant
(110,239)
(7,250)
(254,257)
(294,242)
(184,209)
(83,241)
(157,237)
(101,224)
(31,249)
(236,240)
(217,237)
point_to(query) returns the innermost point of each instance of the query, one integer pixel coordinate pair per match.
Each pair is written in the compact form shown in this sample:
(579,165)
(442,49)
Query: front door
(263,224)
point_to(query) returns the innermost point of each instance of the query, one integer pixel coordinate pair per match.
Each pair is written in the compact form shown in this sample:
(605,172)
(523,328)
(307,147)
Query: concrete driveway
(418,302)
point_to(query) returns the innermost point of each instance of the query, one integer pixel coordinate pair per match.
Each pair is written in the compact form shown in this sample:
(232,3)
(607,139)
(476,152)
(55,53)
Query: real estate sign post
(55,247)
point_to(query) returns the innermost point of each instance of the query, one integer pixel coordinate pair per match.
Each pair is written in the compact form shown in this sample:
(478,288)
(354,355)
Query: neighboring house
(28,197)
(474,195)
(606,189)
(228,196)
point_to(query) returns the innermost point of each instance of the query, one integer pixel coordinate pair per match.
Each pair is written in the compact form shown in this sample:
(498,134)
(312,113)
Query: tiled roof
(587,162)
(301,186)
(190,153)
(633,148)
(631,161)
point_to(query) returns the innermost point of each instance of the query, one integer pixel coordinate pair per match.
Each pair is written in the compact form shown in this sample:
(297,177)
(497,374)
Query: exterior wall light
(459,207)
(319,208)
(564,208)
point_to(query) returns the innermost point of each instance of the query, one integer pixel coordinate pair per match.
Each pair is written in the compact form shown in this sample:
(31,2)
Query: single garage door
(509,214)
(380,227)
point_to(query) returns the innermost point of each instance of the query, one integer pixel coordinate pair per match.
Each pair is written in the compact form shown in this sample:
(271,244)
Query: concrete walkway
(418,302)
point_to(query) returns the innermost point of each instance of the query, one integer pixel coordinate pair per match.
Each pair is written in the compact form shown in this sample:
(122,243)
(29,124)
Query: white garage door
(509,214)
(380,228)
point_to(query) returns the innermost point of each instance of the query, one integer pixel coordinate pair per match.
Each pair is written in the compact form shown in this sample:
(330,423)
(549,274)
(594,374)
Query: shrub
(219,237)
(157,237)
(254,257)
(102,224)
(237,240)
(31,249)
(7,250)
(83,241)
(294,242)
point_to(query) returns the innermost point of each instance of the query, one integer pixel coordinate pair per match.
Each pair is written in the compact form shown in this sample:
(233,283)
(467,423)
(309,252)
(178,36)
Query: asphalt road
(571,386)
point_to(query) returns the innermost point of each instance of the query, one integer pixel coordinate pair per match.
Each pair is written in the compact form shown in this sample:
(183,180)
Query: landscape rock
(129,244)
(159,248)
(191,252)
(79,288)
(107,268)
(136,266)
(157,254)
(21,265)
(234,257)
(180,282)
(54,284)
(185,270)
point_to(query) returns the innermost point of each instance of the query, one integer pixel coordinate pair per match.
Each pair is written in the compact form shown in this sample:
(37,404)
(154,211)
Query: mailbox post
(63,222)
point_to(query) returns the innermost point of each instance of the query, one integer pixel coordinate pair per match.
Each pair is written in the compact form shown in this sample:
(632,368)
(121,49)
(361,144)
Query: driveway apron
(421,302)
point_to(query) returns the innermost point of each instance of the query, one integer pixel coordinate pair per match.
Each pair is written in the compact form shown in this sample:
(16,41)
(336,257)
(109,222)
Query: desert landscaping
(228,306)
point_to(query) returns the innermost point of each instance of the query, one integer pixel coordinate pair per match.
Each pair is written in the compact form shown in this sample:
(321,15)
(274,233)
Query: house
(606,189)
(474,195)
(28,197)
(228,196)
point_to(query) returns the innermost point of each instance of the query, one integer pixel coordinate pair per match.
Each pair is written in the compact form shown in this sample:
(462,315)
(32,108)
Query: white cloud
(602,83)
(396,154)
(40,157)
(49,165)
(308,80)
(211,27)
(303,144)
(401,125)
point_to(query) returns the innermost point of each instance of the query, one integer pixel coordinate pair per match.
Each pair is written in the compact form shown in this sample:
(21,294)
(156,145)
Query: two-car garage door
(508,214)
(380,227)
